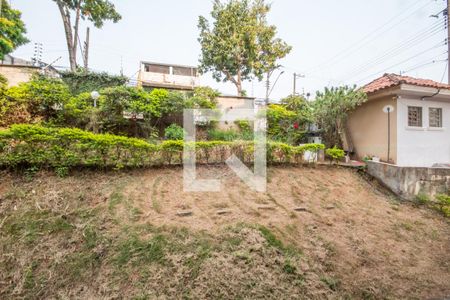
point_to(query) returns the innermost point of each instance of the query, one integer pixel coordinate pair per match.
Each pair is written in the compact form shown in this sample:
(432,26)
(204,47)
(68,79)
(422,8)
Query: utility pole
(267,87)
(86,51)
(295,82)
(447,16)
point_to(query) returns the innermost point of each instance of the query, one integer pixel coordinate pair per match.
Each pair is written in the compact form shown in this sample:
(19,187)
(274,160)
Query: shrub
(82,82)
(422,199)
(335,154)
(285,125)
(222,135)
(331,109)
(443,203)
(174,132)
(64,148)
(40,98)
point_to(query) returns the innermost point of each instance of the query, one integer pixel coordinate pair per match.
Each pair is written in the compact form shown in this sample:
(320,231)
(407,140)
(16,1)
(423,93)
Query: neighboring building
(167,76)
(18,70)
(228,103)
(419,133)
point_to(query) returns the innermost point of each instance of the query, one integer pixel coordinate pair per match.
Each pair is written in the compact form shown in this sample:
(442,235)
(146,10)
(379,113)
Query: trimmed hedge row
(37,146)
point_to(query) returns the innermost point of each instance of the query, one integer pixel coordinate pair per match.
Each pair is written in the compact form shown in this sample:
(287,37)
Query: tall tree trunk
(65,15)
(75,31)
(239,83)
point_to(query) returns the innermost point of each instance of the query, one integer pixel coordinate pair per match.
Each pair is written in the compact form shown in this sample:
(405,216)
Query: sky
(334,43)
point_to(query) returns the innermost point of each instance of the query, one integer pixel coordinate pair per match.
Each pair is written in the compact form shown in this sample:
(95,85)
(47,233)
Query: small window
(435,117)
(415,116)
(161,69)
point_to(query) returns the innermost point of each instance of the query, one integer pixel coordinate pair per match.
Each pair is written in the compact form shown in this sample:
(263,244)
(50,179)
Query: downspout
(435,94)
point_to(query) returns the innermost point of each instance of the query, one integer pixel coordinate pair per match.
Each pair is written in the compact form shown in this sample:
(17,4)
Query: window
(183,71)
(435,117)
(157,69)
(415,116)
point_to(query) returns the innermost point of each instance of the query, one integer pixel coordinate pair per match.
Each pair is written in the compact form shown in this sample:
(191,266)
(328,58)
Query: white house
(406,122)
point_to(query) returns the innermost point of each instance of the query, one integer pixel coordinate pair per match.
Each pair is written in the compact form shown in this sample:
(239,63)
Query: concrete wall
(233,102)
(17,74)
(408,182)
(368,129)
(422,146)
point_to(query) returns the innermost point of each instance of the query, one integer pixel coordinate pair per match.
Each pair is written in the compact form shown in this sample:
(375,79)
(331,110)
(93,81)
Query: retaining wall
(408,182)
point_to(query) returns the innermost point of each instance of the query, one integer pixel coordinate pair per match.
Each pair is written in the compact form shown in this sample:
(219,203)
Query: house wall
(16,75)
(422,147)
(368,129)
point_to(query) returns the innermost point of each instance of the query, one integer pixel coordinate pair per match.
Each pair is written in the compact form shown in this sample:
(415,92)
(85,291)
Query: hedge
(37,146)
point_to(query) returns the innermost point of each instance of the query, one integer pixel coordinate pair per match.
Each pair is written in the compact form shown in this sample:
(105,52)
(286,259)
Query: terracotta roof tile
(391,80)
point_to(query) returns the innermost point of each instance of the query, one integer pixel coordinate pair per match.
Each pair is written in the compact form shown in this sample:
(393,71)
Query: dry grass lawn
(119,235)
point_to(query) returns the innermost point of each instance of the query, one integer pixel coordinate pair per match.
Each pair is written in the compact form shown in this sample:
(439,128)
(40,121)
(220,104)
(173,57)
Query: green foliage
(12,29)
(48,99)
(295,103)
(422,199)
(86,82)
(64,148)
(284,125)
(443,203)
(96,11)
(174,132)
(41,98)
(335,154)
(331,109)
(271,239)
(240,45)
(222,135)
(3,82)
(203,97)
(243,125)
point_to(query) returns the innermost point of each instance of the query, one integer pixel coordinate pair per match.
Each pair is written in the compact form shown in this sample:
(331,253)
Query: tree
(331,109)
(240,45)
(12,29)
(295,102)
(95,11)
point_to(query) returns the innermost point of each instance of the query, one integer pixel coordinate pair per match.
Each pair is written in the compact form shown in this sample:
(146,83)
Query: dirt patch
(119,234)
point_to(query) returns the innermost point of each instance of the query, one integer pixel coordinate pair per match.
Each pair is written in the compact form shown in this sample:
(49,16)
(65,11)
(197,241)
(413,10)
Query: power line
(445,70)
(424,64)
(397,64)
(398,49)
(361,43)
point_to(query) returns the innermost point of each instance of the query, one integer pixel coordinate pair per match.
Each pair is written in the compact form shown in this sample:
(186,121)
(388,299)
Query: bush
(443,203)
(86,82)
(222,135)
(335,154)
(25,146)
(41,98)
(422,199)
(285,125)
(174,132)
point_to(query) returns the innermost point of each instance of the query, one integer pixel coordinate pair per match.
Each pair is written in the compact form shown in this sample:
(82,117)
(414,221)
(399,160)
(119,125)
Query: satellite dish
(388,109)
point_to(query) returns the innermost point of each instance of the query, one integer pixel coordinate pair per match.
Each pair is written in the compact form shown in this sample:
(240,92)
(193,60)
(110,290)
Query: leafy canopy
(95,11)
(12,29)
(331,109)
(240,45)
(81,81)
